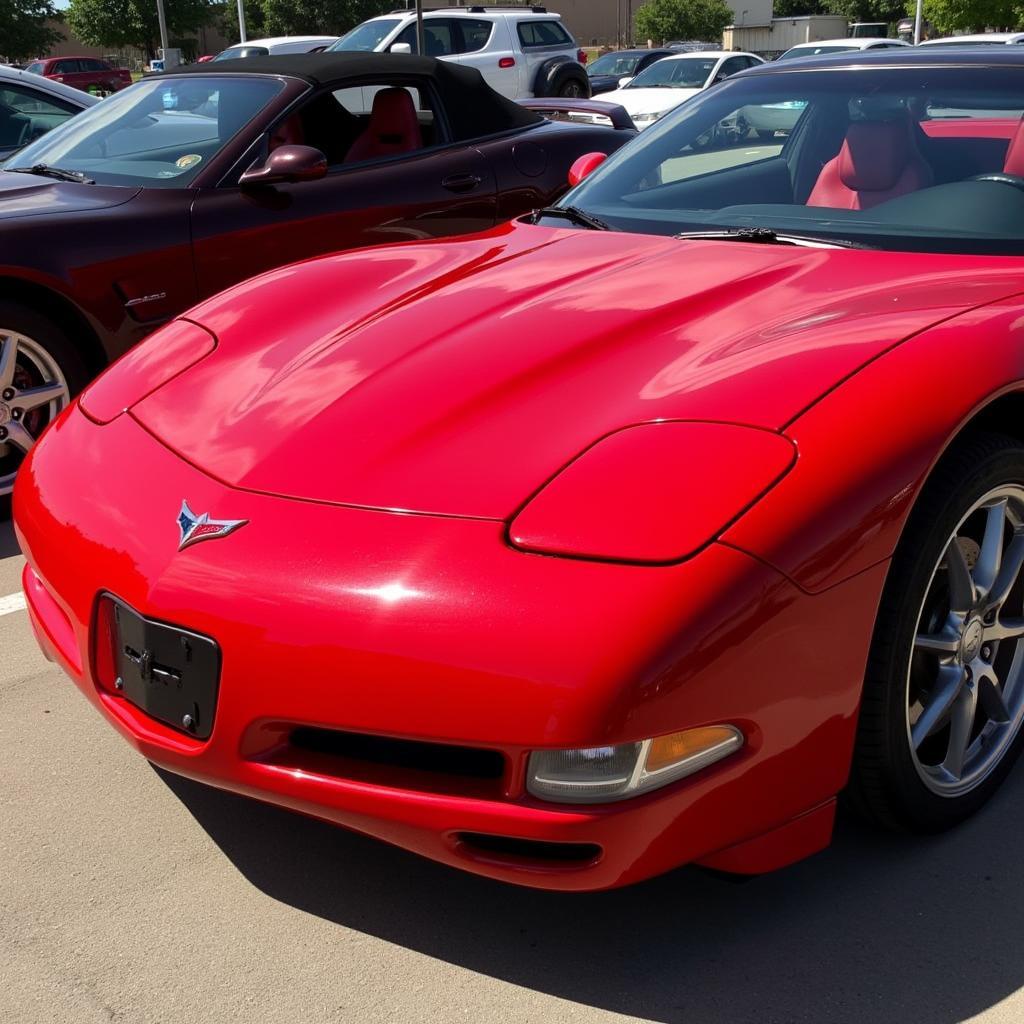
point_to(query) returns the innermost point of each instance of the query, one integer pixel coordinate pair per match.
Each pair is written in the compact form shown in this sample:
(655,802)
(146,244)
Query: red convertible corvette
(615,538)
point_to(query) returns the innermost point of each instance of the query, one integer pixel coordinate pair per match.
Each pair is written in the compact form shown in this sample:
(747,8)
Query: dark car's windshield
(158,133)
(675,73)
(614,64)
(893,158)
(367,36)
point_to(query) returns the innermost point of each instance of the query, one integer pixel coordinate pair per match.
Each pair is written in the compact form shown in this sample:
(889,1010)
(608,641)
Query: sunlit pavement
(129,896)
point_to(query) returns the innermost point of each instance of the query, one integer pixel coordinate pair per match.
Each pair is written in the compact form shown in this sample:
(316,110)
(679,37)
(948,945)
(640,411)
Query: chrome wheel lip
(15,344)
(986,750)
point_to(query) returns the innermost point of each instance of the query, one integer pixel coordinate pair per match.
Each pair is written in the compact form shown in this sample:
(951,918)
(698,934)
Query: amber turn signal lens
(666,751)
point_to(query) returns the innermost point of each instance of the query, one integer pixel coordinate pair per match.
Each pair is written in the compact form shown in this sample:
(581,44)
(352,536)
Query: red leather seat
(1014,162)
(878,161)
(394,128)
(288,133)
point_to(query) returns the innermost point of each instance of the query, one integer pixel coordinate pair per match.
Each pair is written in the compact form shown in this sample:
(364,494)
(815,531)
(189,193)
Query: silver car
(31,105)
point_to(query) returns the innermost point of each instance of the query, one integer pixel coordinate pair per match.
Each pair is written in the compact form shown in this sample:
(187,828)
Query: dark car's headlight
(653,494)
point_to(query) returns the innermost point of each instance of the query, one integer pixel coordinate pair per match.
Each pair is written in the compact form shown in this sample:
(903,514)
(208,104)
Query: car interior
(938,164)
(26,116)
(370,121)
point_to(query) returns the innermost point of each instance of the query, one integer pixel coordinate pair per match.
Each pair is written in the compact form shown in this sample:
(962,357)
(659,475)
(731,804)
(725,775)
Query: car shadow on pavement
(878,928)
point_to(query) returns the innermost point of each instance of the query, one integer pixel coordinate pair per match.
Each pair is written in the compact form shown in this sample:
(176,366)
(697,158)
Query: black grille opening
(509,848)
(410,755)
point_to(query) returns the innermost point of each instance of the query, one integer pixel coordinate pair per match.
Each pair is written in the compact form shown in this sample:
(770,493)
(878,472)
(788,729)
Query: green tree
(319,17)
(955,16)
(23,28)
(798,8)
(662,20)
(869,10)
(134,22)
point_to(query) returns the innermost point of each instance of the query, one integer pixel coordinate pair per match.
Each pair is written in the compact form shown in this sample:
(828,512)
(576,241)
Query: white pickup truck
(522,52)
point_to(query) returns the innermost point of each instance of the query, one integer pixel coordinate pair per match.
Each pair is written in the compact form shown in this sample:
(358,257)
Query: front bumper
(431,628)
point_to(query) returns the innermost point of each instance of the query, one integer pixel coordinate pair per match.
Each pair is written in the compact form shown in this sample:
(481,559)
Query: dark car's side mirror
(287,164)
(584,165)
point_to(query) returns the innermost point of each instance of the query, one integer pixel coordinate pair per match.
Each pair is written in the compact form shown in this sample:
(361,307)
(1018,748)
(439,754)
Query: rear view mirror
(584,165)
(287,164)
(400,48)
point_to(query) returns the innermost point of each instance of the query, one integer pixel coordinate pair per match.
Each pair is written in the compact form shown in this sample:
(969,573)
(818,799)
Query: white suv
(520,51)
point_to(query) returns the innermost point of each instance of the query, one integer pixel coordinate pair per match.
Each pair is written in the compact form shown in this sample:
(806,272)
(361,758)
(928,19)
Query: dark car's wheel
(940,721)
(39,372)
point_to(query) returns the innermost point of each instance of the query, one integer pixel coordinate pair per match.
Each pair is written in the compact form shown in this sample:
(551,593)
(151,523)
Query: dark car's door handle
(461,182)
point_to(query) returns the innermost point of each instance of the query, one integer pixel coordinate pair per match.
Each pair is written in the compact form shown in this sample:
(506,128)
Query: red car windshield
(922,158)
(159,133)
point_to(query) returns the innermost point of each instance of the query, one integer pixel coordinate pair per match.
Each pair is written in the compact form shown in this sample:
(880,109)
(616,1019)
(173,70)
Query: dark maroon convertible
(189,182)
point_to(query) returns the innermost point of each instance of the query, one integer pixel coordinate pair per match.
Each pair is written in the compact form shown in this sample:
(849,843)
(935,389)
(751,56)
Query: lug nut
(15,414)
(8,394)
(986,653)
(3,433)
(118,683)
(188,722)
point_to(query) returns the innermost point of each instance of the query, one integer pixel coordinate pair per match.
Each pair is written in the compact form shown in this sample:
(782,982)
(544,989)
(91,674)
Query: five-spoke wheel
(943,701)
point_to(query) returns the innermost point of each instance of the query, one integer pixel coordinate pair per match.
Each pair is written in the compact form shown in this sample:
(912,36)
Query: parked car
(86,73)
(671,80)
(31,106)
(521,52)
(621,536)
(691,45)
(274,47)
(206,175)
(825,46)
(980,39)
(618,68)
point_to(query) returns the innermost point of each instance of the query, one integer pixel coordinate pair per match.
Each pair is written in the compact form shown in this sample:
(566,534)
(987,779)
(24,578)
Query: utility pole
(420,47)
(241,20)
(917,21)
(164,44)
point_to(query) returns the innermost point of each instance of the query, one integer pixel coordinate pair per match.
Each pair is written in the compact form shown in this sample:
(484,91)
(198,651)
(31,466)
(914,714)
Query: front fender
(867,447)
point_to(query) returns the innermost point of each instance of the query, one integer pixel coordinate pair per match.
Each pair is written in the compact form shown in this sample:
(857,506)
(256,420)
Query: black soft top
(474,109)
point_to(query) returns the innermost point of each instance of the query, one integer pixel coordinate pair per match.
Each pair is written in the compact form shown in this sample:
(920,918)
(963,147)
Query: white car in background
(672,80)
(522,52)
(275,46)
(980,39)
(825,46)
(31,105)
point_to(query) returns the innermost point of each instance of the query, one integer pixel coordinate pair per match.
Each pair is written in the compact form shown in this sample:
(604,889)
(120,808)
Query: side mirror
(623,82)
(400,48)
(287,164)
(584,165)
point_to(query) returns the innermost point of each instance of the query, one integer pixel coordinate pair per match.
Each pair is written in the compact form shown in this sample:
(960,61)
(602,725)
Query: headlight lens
(645,118)
(600,774)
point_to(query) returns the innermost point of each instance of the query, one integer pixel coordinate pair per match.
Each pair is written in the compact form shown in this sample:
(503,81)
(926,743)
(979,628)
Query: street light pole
(917,21)
(241,20)
(162,18)
(420,48)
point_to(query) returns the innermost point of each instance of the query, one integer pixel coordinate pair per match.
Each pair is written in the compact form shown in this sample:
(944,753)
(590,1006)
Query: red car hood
(456,377)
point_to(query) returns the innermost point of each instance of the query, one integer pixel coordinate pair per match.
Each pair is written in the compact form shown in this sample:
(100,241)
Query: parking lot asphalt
(127,895)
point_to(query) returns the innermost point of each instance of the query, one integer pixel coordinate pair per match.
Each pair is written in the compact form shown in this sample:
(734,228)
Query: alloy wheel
(965,684)
(33,390)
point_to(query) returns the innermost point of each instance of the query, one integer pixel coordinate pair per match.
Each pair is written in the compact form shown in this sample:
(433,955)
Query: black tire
(886,785)
(54,345)
(572,88)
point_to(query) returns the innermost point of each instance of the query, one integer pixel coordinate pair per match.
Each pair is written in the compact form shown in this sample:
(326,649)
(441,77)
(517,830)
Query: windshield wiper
(769,236)
(573,213)
(46,171)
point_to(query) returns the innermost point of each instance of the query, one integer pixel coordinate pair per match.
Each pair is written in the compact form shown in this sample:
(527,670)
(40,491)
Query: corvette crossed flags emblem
(195,528)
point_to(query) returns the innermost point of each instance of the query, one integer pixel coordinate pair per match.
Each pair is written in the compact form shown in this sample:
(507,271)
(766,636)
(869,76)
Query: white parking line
(12,603)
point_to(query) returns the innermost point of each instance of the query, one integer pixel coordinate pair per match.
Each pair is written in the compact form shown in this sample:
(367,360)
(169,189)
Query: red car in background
(624,535)
(86,73)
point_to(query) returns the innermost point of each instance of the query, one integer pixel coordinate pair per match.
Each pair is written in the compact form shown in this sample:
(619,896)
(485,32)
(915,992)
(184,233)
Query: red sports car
(615,538)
